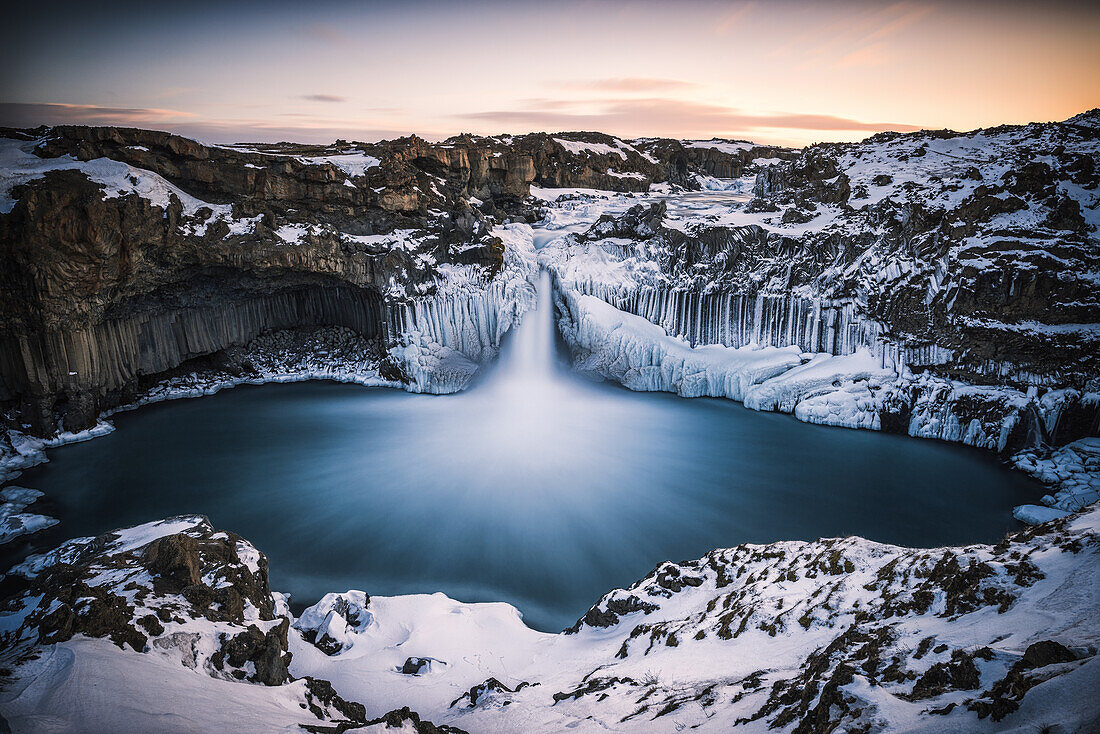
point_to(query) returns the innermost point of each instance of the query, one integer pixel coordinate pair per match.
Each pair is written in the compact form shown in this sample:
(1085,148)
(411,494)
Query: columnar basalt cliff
(963,262)
(126,253)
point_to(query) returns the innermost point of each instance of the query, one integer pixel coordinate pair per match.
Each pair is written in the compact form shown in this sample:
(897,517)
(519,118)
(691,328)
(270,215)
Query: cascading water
(528,357)
(530,397)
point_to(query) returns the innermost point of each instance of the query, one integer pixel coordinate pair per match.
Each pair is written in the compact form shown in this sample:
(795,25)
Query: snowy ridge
(19,166)
(792,637)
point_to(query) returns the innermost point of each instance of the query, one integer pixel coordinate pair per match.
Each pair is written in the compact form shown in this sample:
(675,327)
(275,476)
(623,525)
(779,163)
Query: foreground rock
(798,637)
(190,600)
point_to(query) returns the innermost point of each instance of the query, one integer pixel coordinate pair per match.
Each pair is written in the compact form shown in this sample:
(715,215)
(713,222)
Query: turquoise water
(545,501)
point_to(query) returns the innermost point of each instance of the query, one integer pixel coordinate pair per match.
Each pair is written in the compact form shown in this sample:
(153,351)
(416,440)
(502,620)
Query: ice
(641,356)
(443,339)
(14,524)
(1073,471)
(937,414)
(852,405)
(821,374)
(1037,514)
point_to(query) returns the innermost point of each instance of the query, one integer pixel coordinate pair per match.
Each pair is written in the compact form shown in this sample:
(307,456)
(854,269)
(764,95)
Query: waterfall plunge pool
(534,487)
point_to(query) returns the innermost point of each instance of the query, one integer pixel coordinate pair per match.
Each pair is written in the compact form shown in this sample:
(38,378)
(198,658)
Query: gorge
(931,285)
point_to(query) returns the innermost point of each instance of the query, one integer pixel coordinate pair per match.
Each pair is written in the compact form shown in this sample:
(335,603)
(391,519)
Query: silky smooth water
(534,487)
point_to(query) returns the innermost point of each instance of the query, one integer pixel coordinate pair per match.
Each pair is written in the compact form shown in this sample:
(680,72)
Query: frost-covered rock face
(937,284)
(126,253)
(972,255)
(840,634)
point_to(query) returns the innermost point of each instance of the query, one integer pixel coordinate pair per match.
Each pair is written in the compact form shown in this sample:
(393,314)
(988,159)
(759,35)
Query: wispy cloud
(323,98)
(673,117)
(731,18)
(297,127)
(854,38)
(30,114)
(630,84)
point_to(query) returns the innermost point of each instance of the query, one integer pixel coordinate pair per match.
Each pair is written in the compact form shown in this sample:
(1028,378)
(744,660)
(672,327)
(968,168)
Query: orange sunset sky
(775,72)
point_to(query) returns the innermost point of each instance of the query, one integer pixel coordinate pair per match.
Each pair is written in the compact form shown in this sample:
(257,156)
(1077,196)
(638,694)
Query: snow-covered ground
(788,636)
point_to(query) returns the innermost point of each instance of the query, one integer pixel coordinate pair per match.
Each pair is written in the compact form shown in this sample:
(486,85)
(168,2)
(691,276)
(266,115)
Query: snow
(1037,514)
(552,194)
(641,356)
(19,166)
(578,147)
(724,146)
(399,239)
(86,685)
(627,174)
(353,164)
(140,536)
(468,642)
(784,392)
(292,234)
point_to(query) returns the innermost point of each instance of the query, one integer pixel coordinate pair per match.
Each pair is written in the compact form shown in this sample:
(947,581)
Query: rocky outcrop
(133,587)
(182,592)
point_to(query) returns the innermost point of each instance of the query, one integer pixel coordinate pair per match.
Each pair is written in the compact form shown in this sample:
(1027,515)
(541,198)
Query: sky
(777,71)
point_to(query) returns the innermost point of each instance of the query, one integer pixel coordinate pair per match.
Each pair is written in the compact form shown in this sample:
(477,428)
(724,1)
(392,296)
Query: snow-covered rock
(835,634)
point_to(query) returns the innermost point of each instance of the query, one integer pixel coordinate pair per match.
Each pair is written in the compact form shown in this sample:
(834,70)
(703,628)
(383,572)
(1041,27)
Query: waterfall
(529,399)
(528,356)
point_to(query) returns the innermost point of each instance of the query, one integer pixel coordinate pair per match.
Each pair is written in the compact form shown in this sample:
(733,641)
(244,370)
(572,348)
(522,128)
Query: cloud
(327,33)
(673,117)
(323,98)
(730,19)
(32,114)
(301,128)
(855,37)
(874,55)
(631,84)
